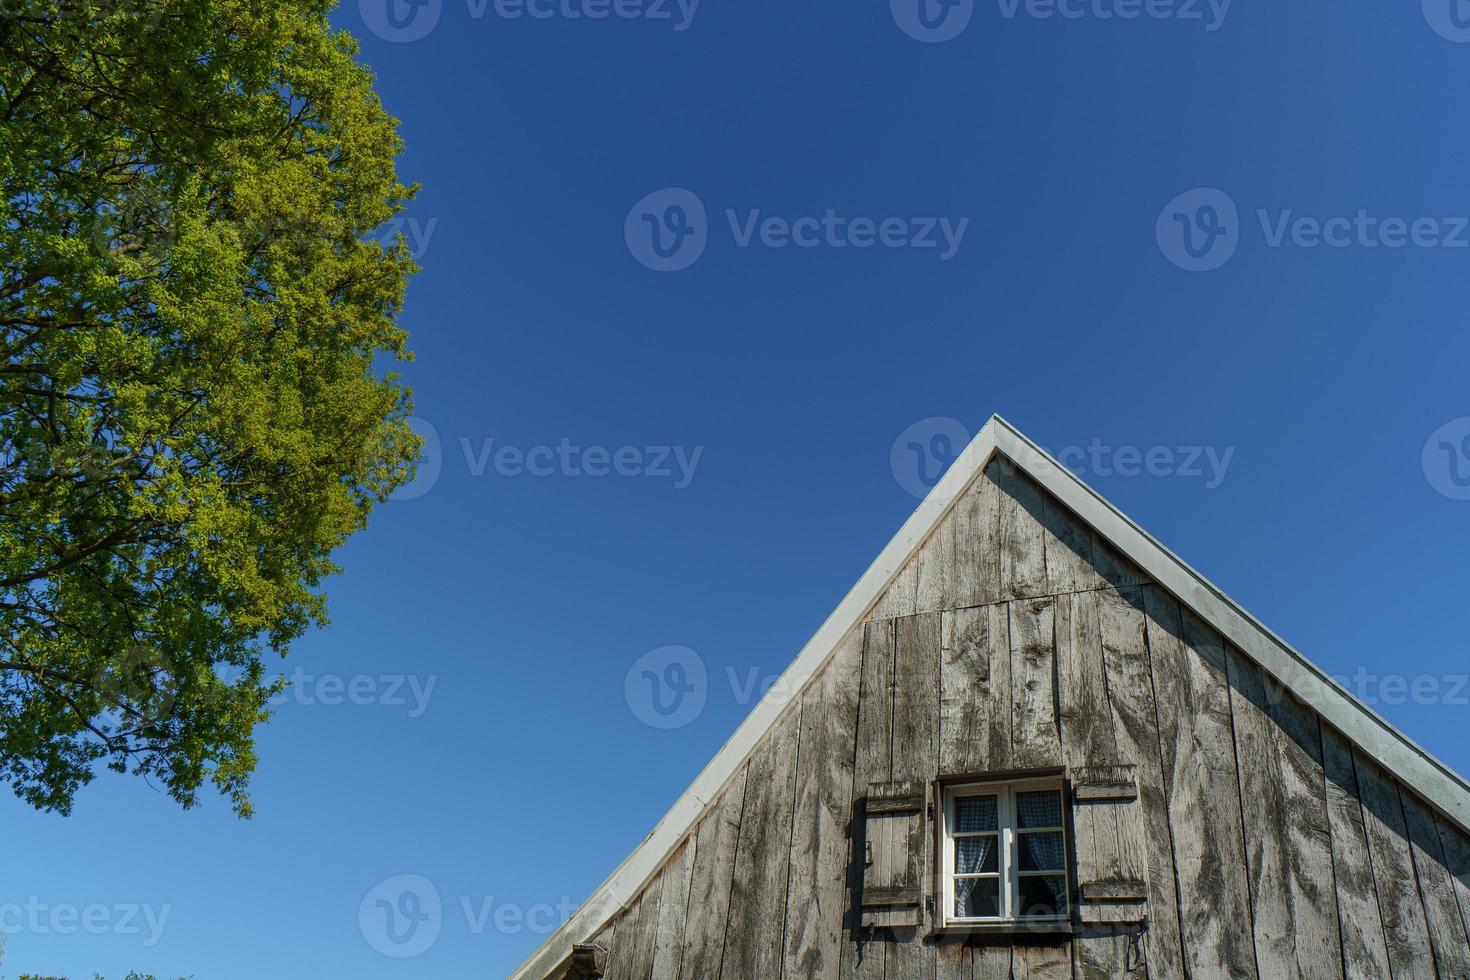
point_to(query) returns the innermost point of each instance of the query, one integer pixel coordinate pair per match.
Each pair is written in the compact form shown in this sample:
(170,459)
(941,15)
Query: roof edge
(1395,751)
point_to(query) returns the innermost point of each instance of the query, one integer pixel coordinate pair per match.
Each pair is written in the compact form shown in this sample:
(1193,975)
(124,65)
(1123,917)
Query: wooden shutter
(893,853)
(1112,862)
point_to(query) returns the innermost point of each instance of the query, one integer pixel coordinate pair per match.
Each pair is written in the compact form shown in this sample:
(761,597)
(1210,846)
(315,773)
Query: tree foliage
(194,410)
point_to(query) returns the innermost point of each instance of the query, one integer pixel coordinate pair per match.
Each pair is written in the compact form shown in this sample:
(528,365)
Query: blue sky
(1235,230)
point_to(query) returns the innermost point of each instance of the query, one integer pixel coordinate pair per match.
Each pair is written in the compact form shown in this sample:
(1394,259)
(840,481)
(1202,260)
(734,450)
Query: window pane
(976,897)
(1042,852)
(1043,895)
(972,813)
(1042,808)
(976,855)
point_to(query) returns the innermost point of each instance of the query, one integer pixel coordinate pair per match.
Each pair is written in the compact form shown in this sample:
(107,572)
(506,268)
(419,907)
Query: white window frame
(1009,873)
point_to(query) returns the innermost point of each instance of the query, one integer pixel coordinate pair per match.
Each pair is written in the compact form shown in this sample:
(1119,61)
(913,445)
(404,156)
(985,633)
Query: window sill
(1058,928)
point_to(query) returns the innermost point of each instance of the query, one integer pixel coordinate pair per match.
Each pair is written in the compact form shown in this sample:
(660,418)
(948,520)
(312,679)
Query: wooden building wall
(1015,638)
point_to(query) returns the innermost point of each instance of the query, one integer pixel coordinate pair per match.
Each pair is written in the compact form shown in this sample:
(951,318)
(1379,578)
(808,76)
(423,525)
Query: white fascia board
(1407,761)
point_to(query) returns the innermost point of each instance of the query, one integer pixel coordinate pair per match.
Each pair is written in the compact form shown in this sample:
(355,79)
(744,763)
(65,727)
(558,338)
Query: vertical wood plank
(824,794)
(1105,953)
(623,957)
(604,941)
(1405,929)
(1436,889)
(710,883)
(951,566)
(990,961)
(1067,546)
(1041,962)
(1035,738)
(757,920)
(1288,844)
(1019,543)
(673,909)
(1201,799)
(1089,739)
(863,956)
(1365,953)
(916,670)
(1457,857)
(643,931)
(975,690)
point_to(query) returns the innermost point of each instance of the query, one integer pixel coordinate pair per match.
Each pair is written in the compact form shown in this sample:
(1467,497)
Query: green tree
(195,405)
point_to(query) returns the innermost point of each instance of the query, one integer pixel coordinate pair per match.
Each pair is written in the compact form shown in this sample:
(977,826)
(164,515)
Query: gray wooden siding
(1017,638)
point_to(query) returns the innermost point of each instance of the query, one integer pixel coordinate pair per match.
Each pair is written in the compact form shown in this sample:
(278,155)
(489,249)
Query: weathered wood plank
(1106,953)
(757,920)
(1365,954)
(1112,568)
(622,958)
(1086,717)
(1405,929)
(1019,542)
(862,956)
(952,958)
(1035,737)
(1067,545)
(1042,961)
(710,883)
(901,598)
(990,961)
(604,941)
(975,690)
(917,655)
(1457,860)
(1089,741)
(952,566)
(1288,844)
(824,795)
(1201,801)
(635,961)
(1436,889)
(673,909)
